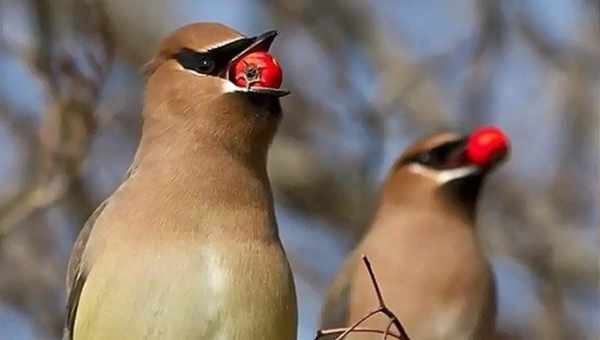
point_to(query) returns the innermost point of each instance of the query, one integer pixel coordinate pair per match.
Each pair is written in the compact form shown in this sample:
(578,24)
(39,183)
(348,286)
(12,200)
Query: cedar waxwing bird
(423,247)
(187,247)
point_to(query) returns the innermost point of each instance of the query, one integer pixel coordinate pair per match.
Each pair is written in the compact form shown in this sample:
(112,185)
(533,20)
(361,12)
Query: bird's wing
(335,309)
(76,272)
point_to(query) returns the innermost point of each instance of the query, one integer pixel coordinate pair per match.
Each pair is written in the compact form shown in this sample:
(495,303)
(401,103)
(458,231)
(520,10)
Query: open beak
(458,158)
(457,166)
(260,43)
(457,153)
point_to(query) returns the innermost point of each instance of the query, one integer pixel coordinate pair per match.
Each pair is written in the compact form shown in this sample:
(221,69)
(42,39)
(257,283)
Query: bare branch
(382,309)
(338,331)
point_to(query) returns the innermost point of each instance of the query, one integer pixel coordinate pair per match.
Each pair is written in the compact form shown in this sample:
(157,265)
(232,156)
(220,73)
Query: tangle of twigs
(381,309)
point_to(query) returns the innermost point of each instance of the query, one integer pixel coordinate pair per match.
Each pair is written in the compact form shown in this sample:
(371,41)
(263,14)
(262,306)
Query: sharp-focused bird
(423,245)
(187,247)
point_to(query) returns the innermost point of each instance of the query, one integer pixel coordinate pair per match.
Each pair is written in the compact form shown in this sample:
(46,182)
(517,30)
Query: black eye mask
(214,61)
(198,62)
(445,156)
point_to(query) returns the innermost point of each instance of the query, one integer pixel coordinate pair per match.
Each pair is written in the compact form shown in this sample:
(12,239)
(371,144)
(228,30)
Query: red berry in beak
(257,69)
(487,145)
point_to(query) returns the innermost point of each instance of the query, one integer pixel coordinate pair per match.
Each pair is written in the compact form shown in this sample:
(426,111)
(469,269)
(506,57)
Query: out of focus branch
(404,88)
(486,50)
(69,122)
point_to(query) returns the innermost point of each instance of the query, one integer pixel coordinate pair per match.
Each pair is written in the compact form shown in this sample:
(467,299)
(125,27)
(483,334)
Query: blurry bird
(187,247)
(423,245)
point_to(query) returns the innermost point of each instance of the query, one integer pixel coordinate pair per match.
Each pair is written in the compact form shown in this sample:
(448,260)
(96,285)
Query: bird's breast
(224,290)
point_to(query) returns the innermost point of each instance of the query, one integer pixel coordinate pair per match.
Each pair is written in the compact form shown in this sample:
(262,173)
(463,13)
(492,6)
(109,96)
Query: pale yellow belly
(229,293)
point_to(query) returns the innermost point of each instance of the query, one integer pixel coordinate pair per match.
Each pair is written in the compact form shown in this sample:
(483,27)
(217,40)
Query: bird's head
(210,77)
(447,166)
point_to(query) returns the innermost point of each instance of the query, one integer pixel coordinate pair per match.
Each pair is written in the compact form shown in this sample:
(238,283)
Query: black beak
(455,152)
(259,43)
(457,156)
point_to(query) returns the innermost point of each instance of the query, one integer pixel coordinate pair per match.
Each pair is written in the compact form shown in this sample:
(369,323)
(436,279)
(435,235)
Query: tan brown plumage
(423,246)
(187,247)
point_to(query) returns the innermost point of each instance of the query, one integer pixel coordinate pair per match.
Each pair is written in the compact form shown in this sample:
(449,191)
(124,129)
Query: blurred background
(368,78)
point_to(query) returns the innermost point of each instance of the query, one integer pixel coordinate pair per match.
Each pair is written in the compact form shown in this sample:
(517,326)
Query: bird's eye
(441,157)
(432,159)
(195,61)
(205,65)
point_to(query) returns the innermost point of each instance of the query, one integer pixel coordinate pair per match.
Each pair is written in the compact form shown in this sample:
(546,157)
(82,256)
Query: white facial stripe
(194,72)
(443,176)
(179,67)
(228,87)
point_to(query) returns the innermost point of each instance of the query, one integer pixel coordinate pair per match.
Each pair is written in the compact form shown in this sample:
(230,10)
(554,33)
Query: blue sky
(426,28)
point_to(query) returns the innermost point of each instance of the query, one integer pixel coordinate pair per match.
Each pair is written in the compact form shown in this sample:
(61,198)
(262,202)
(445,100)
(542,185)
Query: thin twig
(393,320)
(336,331)
(357,323)
(374,281)
(388,329)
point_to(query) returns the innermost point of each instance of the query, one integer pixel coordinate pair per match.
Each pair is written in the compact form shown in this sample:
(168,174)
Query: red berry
(487,145)
(259,69)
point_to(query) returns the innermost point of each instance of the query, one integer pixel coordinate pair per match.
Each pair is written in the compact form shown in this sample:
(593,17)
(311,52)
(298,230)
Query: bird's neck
(428,202)
(198,136)
(231,123)
(194,177)
(457,200)
(197,157)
